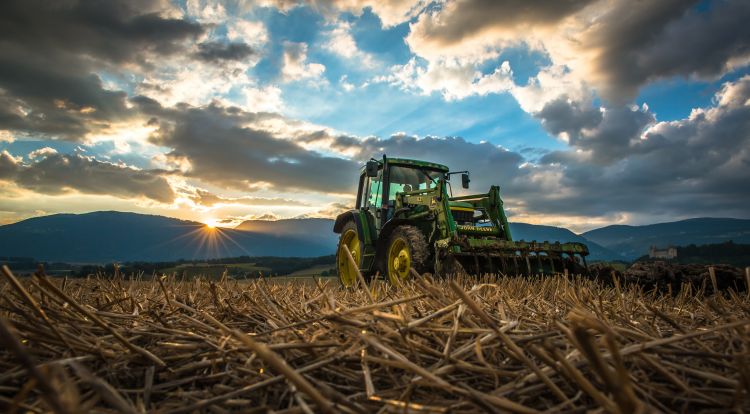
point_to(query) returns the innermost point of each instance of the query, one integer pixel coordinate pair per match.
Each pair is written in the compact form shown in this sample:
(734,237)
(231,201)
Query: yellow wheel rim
(399,261)
(347,272)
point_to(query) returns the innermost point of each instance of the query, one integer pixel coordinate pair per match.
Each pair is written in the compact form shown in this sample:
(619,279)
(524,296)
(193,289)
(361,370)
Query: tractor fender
(343,218)
(364,228)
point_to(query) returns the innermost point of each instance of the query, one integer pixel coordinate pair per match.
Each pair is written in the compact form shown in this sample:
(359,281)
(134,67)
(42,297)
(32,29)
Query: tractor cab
(382,181)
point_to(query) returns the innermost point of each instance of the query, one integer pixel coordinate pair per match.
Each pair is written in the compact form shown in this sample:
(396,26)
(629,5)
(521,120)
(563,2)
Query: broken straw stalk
(465,345)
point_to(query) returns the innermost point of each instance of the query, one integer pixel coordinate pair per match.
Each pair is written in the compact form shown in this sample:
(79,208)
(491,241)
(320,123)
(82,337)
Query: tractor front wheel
(407,249)
(346,270)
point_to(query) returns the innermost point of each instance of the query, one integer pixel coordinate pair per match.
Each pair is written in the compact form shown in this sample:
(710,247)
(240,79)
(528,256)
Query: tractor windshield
(407,178)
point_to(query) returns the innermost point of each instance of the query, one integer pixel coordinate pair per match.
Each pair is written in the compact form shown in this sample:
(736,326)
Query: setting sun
(210,223)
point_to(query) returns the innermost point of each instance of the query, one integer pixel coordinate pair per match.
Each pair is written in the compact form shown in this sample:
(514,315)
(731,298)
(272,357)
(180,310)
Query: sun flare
(210,223)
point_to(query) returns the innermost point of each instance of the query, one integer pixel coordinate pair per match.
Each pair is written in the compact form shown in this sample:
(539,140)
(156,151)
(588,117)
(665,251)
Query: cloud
(8,164)
(636,43)
(250,32)
(341,42)
(208,199)
(345,84)
(207,11)
(605,134)
(568,119)
(181,79)
(391,12)
(332,210)
(52,173)
(451,78)
(42,99)
(616,46)
(6,136)
(695,166)
(265,99)
(218,52)
(51,52)
(295,66)
(466,27)
(119,31)
(42,152)
(229,147)
(551,83)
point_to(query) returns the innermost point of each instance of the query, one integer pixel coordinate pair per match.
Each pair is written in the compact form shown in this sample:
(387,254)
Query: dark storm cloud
(638,42)
(53,173)
(218,52)
(49,52)
(222,150)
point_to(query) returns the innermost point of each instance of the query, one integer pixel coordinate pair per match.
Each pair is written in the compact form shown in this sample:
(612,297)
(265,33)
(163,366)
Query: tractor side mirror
(465,180)
(372,168)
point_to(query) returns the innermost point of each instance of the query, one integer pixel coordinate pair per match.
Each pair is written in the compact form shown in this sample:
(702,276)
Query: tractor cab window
(404,179)
(374,191)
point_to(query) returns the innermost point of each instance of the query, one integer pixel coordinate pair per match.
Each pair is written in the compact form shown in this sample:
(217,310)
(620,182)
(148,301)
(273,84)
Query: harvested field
(466,345)
(669,277)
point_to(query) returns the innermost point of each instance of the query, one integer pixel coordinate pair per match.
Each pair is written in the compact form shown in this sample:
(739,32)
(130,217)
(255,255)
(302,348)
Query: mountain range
(111,236)
(631,242)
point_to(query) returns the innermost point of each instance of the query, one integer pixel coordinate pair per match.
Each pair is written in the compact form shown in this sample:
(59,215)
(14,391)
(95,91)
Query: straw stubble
(465,345)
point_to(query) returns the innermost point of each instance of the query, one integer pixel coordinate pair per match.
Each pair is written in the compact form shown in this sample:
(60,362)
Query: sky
(585,112)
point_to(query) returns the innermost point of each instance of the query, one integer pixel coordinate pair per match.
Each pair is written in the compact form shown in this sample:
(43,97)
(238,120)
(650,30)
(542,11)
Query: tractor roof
(418,163)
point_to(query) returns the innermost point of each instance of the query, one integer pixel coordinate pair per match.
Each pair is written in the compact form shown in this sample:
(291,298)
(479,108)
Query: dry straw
(490,344)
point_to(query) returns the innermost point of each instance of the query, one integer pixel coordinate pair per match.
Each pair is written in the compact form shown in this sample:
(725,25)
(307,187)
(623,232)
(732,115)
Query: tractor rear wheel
(349,238)
(407,249)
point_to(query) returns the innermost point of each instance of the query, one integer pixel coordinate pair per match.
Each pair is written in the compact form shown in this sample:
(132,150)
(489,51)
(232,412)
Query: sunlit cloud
(295,66)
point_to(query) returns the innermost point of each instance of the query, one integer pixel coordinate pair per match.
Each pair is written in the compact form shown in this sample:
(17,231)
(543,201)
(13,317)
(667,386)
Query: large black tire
(406,243)
(344,269)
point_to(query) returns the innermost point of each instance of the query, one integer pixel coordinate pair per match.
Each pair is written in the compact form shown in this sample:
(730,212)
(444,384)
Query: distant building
(668,253)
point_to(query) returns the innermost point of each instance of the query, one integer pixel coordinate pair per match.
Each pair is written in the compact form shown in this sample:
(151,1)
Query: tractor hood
(460,205)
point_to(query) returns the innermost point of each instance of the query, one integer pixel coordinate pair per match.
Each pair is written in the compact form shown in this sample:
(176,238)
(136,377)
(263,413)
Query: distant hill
(108,236)
(529,232)
(632,242)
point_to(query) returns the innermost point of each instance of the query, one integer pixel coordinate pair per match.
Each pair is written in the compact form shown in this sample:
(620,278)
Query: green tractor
(405,219)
